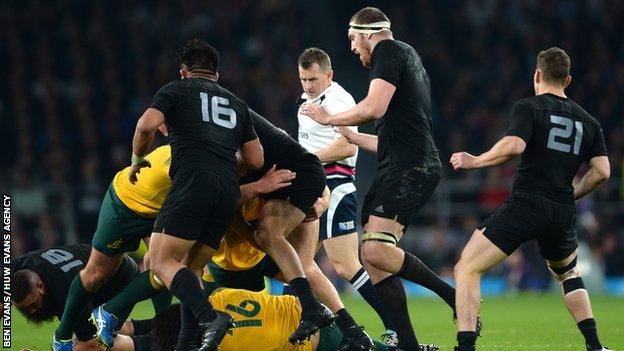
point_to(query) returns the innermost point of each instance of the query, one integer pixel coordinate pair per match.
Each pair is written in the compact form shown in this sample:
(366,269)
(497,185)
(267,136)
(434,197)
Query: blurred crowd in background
(77,75)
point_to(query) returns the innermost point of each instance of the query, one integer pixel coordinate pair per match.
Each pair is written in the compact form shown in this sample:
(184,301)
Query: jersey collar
(321,96)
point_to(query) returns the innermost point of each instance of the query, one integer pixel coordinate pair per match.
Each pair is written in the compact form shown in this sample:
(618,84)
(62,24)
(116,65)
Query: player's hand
(463,160)
(346,133)
(316,112)
(136,169)
(320,205)
(275,179)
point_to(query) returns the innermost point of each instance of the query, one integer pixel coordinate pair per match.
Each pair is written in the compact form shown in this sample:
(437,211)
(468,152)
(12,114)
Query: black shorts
(251,279)
(524,217)
(127,271)
(306,188)
(199,206)
(400,194)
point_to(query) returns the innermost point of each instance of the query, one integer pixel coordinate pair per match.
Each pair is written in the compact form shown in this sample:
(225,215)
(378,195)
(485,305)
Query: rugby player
(126,216)
(284,216)
(207,125)
(262,323)
(238,264)
(408,168)
(282,151)
(41,283)
(555,136)
(337,225)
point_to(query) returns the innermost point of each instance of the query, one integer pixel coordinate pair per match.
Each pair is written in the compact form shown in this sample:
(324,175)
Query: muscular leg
(387,284)
(98,269)
(343,254)
(394,260)
(576,297)
(277,220)
(479,255)
(303,240)
(196,259)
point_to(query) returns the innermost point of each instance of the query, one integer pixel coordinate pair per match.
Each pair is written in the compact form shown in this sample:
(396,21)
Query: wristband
(137,159)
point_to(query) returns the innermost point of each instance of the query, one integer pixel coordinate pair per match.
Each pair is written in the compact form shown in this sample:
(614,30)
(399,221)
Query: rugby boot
(312,321)
(214,331)
(355,338)
(105,324)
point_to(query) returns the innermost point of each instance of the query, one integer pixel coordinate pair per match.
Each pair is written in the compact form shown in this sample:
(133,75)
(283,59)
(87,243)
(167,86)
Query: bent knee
(372,254)
(346,270)
(464,267)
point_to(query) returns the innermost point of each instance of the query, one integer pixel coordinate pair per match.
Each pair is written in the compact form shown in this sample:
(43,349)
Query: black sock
(344,321)
(142,326)
(189,330)
(466,340)
(303,290)
(162,300)
(141,342)
(185,286)
(590,332)
(362,283)
(288,290)
(393,295)
(416,271)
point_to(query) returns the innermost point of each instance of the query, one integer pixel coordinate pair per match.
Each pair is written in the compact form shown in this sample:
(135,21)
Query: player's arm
(144,133)
(519,132)
(336,151)
(365,141)
(252,154)
(502,152)
(320,205)
(251,151)
(272,180)
(373,107)
(598,173)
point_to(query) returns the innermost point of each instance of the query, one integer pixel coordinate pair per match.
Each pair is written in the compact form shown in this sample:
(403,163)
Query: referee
(408,165)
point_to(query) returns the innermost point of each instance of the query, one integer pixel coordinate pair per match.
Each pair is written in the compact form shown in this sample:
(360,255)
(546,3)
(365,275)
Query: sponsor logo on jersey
(115,244)
(346,225)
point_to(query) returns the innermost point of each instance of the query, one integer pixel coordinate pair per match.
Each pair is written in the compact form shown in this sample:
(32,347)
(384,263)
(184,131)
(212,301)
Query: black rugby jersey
(405,132)
(279,149)
(207,124)
(559,136)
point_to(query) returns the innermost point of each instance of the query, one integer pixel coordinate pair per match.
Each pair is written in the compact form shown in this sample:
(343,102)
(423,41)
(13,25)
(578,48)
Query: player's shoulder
(582,113)
(536,102)
(225,92)
(389,49)
(337,93)
(171,86)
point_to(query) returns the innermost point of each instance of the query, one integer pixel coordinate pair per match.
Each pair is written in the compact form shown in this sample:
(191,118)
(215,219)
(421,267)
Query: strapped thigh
(384,237)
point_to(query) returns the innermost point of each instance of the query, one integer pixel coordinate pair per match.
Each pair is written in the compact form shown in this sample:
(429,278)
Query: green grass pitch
(523,322)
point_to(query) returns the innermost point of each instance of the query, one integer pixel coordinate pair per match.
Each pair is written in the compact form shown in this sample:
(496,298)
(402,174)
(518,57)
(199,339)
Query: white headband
(369,28)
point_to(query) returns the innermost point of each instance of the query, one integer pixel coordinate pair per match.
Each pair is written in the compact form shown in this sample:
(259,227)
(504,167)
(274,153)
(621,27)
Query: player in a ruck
(555,136)
(408,169)
(41,282)
(207,125)
(337,226)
